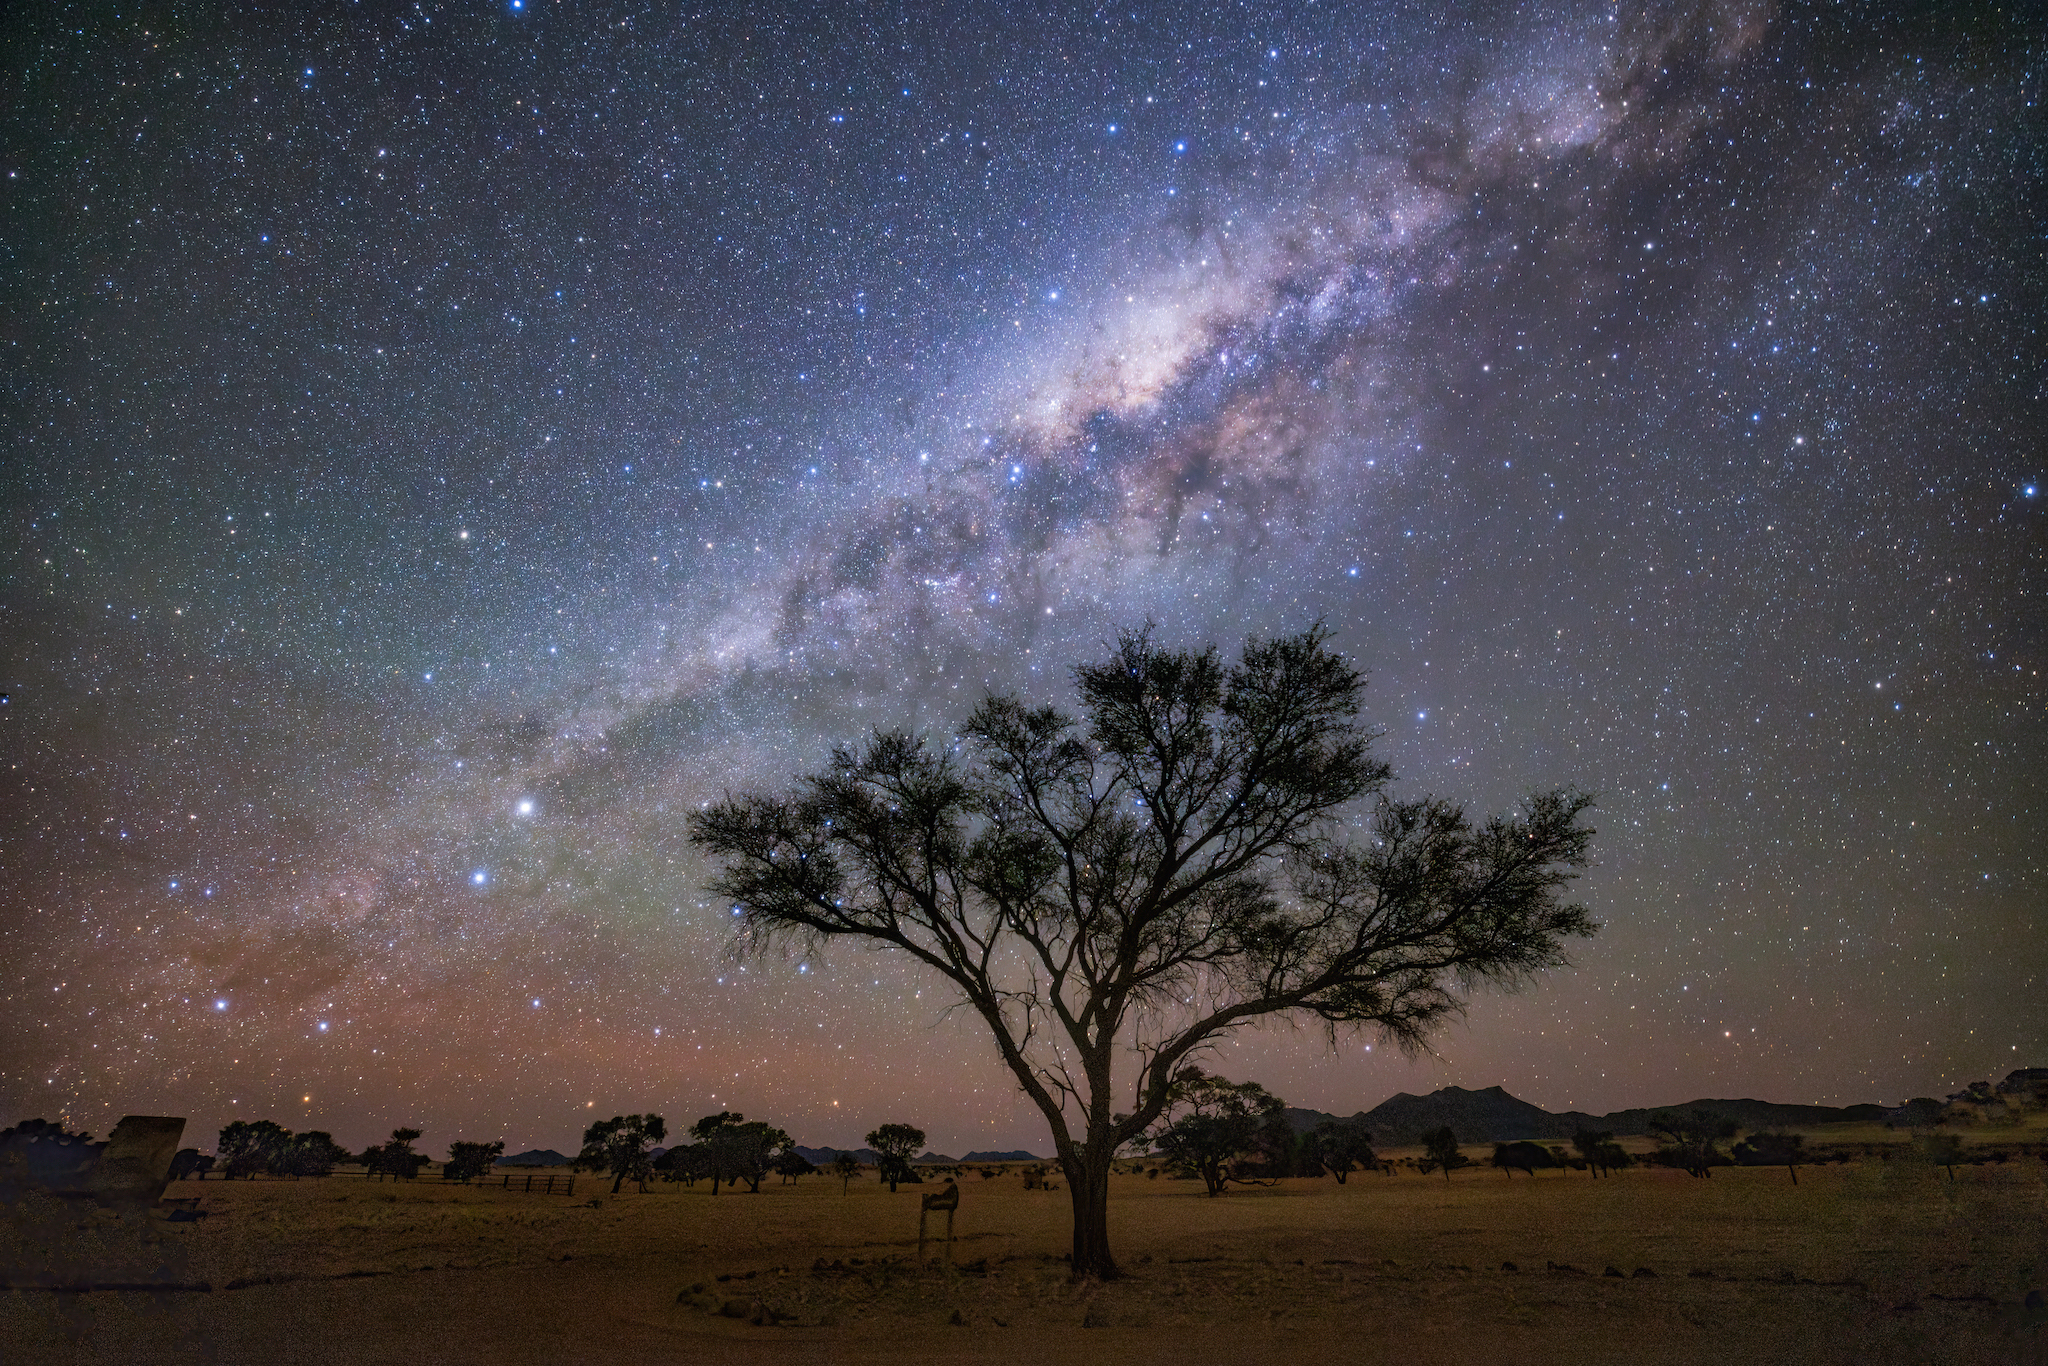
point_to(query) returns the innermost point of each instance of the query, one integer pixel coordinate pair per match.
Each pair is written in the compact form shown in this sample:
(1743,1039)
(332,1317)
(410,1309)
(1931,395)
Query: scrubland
(1872,1261)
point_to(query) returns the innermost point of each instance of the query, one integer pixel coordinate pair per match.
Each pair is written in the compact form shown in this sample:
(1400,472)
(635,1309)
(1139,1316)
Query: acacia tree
(471,1161)
(396,1159)
(1341,1146)
(246,1147)
(619,1145)
(1602,1154)
(1440,1148)
(1691,1141)
(894,1145)
(1772,1148)
(846,1167)
(1216,1126)
(1130,887)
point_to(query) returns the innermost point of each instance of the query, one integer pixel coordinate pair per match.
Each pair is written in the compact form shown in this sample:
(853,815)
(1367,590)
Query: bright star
(479,877)
(526,807)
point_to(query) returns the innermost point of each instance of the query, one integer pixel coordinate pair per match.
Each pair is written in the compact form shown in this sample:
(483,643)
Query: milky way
(445,445)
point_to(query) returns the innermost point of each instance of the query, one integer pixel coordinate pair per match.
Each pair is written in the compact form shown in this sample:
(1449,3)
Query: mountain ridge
(1491,1115)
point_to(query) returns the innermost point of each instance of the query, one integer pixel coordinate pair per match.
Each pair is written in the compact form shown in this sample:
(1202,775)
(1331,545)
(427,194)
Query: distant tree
(469,1161)
(1173,865)
(688,1163)
(1772,1149)
(894,1145)
(396,1158)
(247,1147)
(1214,1127)
(189,1162)
(41,1131)
(619,1145)
(1440,1149)
(1523,1156)
(1691,1141)
(1342,1146)
(747,1150)
(1939,1150)
(1603,1155)
(793,1164)
(846,1167)
(313,1153)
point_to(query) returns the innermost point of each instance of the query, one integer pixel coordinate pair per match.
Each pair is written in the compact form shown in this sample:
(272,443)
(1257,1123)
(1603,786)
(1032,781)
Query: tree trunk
(1088,1186)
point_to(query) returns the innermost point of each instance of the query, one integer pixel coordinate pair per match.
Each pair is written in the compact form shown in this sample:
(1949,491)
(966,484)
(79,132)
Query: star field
(446,444)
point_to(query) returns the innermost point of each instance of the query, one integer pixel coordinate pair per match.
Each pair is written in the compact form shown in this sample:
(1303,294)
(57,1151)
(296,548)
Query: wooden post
(947,1200)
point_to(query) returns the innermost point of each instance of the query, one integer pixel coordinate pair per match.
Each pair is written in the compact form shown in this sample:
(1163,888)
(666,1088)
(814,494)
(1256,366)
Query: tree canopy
(895,1145)
(619,1145)
(1217,1127)
(1440,1152)
(469,1161)
(736,1149)
(1691,1141)
(1340,1145)
(1205,846)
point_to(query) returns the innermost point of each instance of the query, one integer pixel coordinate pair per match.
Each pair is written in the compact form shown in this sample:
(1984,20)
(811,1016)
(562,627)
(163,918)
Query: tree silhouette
(1603,1155)
(619,1145)
(792,1164)
(688,1163)
(312,1153)
(1771,1149)
(1156,875)
(41,1131)
(187,1163)
(1342,1146)
(846,1167)
(1440,1148)
(1215,1126)
(1692,1140)
(396,1158)
(468,1161)
(894,1145)
(247,1147)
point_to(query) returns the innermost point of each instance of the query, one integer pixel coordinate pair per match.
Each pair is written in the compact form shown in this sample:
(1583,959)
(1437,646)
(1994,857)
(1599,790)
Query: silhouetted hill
(1494,1116)
(1014,1155)
(538,1157)
(822,1156)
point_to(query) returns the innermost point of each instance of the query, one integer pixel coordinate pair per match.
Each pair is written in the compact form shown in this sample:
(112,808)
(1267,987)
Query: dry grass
(1874,1261)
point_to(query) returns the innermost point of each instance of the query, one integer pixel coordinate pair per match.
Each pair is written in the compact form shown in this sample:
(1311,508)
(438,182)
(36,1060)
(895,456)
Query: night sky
(446,444)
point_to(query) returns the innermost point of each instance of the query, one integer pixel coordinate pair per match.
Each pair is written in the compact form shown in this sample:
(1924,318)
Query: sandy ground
(1871,1262)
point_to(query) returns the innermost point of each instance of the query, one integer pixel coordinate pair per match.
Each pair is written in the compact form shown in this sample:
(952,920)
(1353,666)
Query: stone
(135,1166)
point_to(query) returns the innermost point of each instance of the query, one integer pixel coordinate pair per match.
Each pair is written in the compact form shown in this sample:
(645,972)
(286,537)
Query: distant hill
(1494,1116)
(865,1156)
(1014,1155)
(539,1157)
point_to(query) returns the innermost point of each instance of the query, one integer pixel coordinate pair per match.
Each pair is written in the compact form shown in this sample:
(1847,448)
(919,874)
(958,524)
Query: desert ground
(1871,1261)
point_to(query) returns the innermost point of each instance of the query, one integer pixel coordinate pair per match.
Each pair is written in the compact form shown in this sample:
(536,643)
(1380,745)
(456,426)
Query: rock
(1643,1273)
(734,1309)
(1615,1272)
(2034,1300)
(1509,1266)
(958,1320)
